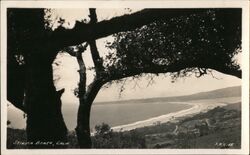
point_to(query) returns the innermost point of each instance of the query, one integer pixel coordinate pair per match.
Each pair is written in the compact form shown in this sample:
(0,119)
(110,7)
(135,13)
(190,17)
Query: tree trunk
(83,126)
(45,124)
(83,116)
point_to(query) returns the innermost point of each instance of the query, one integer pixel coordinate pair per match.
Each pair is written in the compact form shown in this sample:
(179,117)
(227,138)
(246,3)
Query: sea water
(112,114)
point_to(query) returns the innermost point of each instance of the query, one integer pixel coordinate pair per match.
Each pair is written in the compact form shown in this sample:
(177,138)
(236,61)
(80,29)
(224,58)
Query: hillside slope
(218,93)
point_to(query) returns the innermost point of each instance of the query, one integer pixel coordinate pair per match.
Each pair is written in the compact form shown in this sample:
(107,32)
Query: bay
(110,113)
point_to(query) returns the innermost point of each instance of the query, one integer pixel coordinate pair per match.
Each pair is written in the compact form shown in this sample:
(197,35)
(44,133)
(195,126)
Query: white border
(133,4)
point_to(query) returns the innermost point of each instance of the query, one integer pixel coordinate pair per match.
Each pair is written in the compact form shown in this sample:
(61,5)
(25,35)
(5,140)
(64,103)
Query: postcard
(124,77)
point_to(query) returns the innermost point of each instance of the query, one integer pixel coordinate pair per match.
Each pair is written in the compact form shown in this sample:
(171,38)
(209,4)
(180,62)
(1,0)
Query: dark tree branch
(93,90)
(82,32)
(70,52)
(82,68)
(153,70)
(93,16)
(96,57)
(156,69)
(202,71)
(82,48)
(93,48)
(82,74)
(96,85)
(228,71)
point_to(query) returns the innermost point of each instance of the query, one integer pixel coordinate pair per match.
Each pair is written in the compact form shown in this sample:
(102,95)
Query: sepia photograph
(124,77)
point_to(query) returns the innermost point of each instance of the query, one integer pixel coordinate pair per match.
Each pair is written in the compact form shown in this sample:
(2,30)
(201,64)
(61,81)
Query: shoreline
(196,108)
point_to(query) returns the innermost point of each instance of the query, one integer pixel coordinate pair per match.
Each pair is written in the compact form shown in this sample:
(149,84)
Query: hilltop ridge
(234,91)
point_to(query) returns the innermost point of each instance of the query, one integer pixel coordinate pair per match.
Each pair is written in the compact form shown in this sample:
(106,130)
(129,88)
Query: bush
(106,138)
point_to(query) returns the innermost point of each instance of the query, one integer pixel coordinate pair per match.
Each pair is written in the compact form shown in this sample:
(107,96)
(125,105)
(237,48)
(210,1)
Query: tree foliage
(181,45)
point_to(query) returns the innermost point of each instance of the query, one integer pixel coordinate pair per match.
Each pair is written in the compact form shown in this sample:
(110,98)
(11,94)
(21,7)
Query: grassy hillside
(218,93)
(221,130)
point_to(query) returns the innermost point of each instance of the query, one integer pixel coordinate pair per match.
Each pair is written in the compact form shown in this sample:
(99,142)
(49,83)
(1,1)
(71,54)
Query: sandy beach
(197,107)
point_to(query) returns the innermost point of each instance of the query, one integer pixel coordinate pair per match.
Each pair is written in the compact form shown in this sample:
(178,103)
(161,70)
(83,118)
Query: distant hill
(218,93)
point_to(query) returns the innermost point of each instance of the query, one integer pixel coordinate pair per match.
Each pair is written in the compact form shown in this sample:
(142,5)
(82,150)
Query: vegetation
(217,128)
(106,138)
(223,131)
(180,46)
(150,41)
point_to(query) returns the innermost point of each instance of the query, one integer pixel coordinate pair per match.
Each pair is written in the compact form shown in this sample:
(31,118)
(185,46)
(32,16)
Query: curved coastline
(196,108)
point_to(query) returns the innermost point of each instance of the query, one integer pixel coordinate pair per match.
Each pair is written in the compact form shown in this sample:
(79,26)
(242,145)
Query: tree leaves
(185,44)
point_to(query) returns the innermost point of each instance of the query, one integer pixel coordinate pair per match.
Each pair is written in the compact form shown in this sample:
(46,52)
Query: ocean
(110,113)
(121,114)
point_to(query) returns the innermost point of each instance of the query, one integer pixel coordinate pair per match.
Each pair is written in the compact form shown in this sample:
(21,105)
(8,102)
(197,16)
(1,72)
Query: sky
(161,87)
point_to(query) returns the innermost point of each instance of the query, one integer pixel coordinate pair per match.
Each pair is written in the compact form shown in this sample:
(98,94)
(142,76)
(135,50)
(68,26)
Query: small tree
(106,138)
(102,129)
